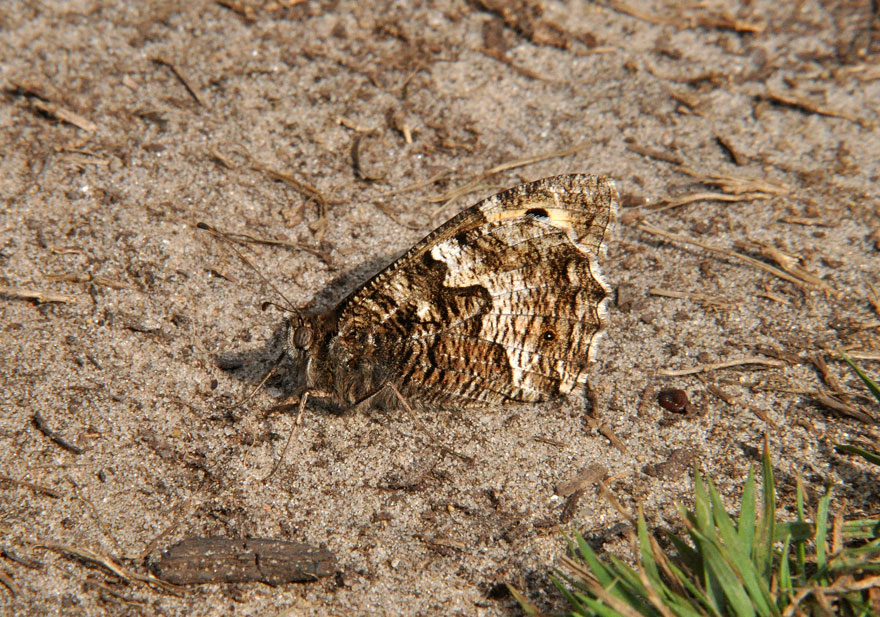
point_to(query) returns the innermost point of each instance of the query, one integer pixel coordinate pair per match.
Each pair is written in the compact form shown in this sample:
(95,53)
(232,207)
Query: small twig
(356,160)
(705,368)
(800,102)
(41,426)
(803,220)
(660,155)
(417,185)
(501,57)
(749,260)
(65,115)
(479,178)
(839,406)
(827,377)
(49,492)
(737,185)
(737,400)
(606,432)
(193,91)
(790,265)
(306,189)
(39,296)
(862,355)
(874,298)
(108,565)
(703,299)
(9,583)
(242,9)
(708,196)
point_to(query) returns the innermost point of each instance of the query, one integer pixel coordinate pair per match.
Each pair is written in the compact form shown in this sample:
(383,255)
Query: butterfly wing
(501,303)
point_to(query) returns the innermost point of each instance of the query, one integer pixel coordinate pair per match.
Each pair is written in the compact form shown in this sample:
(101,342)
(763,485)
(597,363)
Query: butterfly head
(302,344)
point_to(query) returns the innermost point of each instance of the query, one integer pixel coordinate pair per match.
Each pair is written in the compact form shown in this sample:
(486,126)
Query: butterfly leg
(418,422)
(259,385)
(303,399)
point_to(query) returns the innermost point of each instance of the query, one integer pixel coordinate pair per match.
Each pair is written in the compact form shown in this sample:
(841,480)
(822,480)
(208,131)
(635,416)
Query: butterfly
(503,303)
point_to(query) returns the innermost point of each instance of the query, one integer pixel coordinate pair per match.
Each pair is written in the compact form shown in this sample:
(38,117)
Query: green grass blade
(596,567)
(524,603)
(867,528)
(647,555)
(746,522)
(763,553)
(871,457)
(690,557)
(870,383)
(726,587)
(738,558)
(702,506)
(797,531)
(786,585)
(727,532)
(800,544)
(598,607)
(696,592)
(822,535)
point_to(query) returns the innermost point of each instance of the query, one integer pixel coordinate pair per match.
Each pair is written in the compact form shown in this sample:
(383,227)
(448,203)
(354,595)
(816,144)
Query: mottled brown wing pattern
(502,303)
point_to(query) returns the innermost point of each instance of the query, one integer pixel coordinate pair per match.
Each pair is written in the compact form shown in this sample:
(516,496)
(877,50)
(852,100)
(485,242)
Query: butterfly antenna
(225,237)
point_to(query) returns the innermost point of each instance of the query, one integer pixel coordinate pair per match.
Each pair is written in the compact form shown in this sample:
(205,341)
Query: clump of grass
(872,456)
(744,566)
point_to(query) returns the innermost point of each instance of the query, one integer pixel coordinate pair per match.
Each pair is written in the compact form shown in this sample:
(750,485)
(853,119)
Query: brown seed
(675,401)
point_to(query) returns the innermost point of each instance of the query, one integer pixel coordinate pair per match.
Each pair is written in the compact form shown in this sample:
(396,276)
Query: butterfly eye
(302,337)
(549,335)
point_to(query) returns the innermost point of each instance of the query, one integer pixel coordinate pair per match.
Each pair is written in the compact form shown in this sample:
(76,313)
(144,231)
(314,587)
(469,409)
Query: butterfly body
(503,303)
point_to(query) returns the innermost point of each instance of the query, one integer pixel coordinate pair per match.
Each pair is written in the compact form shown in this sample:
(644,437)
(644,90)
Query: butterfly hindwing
(502,303)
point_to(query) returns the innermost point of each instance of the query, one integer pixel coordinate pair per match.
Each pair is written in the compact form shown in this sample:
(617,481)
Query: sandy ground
(349,128)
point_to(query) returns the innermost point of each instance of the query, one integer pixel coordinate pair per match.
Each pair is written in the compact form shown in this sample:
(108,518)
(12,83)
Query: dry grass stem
(654,153)
(478,179)
(501,57)
(863,355)
(790,265)
(319,226)
(647,228)
(610,498)
(799,101)
(702,299)
(737,185)
(772,296)
(687,199)
(49,492)
(108,565)
(65,115)
(835,404)
(43,97)
(737,400)
(705,368)
(38,296)
(827,377)
(806,221)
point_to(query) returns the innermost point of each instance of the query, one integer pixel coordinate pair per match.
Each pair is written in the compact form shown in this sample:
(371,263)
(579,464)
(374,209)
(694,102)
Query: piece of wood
(196,561)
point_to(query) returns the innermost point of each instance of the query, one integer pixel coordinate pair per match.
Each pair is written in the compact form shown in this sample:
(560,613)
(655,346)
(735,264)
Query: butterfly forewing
(502,303)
